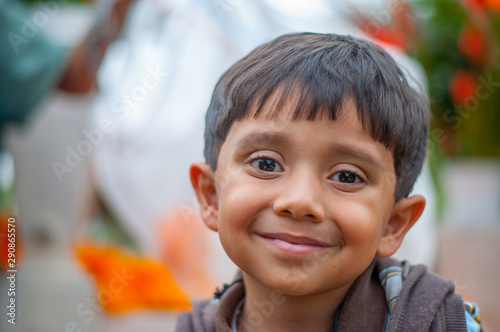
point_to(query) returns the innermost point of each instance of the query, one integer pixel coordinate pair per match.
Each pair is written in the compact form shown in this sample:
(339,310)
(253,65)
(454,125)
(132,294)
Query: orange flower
(472,44)
(493,5)
(462,86)
(127,282)
(186,248)
(391,37)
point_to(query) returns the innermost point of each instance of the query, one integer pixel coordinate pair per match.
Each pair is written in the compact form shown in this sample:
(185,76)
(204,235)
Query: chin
(292,285)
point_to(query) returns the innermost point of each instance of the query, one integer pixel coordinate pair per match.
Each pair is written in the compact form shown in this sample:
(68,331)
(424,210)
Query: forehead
(282,110)
(273,122)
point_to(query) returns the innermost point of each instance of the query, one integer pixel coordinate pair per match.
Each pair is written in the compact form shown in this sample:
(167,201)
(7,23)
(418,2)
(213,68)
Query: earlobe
(203,182)
(404,215)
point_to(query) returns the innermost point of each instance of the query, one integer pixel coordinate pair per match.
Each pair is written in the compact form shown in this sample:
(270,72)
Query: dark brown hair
(320,72)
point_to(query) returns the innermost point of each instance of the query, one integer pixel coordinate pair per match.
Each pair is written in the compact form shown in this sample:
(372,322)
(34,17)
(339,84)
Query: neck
(272,310)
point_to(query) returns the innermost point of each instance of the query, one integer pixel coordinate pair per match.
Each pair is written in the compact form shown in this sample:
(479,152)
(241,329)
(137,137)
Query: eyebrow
(358,154)
(256,138)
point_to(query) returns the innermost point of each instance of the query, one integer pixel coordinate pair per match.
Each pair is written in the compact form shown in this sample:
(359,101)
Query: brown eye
(267,165)
(346,177)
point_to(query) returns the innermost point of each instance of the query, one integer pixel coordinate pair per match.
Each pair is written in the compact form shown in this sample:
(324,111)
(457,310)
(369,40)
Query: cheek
(242,198)
(361,224)
(240,204)
(237,204)
(243,201)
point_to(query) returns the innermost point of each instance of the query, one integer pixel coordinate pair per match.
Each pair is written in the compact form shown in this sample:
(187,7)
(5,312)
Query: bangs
(318,82)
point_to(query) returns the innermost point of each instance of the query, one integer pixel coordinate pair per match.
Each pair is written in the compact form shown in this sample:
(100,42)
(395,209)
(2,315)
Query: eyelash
(263,156)
(266,156)
(355,172)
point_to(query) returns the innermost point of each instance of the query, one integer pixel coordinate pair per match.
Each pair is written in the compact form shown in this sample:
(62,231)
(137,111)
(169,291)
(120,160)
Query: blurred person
(32,65)
(46,87)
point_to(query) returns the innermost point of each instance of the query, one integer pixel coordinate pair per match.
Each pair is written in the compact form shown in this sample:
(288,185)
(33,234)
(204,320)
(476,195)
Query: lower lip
(293,248)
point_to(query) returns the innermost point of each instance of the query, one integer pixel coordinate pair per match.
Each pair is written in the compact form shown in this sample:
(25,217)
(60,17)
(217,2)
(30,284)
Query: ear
(404,215)
(203,182)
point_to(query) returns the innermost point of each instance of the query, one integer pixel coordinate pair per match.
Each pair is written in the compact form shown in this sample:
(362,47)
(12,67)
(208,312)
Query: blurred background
(102,109)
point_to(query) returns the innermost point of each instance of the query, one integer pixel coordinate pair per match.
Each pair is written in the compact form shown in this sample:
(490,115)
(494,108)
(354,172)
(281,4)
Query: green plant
(34,1)
(458,47)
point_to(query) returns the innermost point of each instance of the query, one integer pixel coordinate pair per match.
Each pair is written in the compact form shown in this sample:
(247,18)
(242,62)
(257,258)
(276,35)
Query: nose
(301,199)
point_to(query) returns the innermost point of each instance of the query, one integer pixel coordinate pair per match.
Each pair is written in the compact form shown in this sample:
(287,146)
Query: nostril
(299,209)
(286,213)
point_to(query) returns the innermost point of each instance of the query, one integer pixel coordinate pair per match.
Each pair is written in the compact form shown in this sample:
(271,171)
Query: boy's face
(304,206)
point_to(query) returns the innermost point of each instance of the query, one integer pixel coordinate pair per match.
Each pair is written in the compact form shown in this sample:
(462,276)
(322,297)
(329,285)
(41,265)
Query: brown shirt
(426,302)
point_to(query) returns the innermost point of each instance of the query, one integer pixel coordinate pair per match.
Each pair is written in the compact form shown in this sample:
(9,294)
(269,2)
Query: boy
(313,143)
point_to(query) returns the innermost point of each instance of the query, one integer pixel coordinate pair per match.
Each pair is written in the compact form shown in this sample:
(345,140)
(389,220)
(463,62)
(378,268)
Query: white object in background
(52,289)
(472,191)
(53,292)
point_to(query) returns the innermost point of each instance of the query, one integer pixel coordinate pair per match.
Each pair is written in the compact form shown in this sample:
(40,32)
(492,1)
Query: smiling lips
(290,244)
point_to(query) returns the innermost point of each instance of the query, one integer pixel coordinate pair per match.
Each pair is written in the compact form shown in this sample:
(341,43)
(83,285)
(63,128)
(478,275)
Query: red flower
(472,44)
(400,31)
(475,5)
(462,86)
